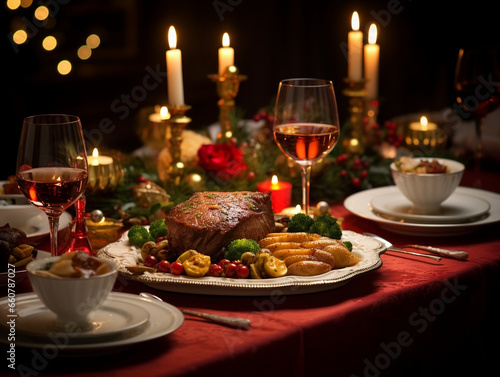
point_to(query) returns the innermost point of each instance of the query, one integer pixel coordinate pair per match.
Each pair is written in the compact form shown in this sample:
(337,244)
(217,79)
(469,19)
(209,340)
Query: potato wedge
(297,258)
(283,245)
(321,243)
(308,268)
(298,237)
(343,257)
(324,256)
(284,253)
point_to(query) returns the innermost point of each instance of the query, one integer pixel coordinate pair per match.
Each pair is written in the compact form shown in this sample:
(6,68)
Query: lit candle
(354,50)
(96,160)
(423,125)
(424,134)
(291,211)
(372,52)
(174,71)
(281,193)
(101,172)
(226,55)
(160,117)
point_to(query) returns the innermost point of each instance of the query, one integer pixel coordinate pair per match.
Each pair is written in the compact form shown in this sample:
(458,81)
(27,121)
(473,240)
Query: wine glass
(52,165)
(306,125)
(477,78)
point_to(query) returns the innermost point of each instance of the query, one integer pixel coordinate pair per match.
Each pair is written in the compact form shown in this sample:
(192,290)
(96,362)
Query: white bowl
(428,191)
(72,299)
(16,215)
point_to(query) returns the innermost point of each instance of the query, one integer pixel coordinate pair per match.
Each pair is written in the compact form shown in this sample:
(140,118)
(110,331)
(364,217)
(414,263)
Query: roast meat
(208,221)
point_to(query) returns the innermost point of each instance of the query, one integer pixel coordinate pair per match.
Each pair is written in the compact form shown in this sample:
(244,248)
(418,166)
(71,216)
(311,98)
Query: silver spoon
(239,323)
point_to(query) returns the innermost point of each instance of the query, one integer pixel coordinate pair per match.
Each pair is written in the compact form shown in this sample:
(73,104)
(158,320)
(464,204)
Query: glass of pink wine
(306,125)
(52,166)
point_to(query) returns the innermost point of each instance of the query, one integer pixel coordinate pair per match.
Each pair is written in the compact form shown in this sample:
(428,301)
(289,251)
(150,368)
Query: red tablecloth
(412,316)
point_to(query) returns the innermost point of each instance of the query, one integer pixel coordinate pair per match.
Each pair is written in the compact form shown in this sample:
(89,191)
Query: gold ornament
(147,194)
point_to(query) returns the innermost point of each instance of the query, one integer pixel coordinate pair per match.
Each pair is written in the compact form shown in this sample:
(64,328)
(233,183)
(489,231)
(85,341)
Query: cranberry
(223,262)
(150,261)
(242,271)
(176,268)
(230,270)
(215,270)
(164,266)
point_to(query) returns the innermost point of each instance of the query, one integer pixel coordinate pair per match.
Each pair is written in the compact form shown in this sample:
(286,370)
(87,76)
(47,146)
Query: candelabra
(228,86)
(177,122)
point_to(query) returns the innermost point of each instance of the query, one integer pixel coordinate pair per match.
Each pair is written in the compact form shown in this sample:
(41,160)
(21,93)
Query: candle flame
(164,114)
(424,122)
(172,38)
(372,34)
(225,40)
(355,21)
(95,155)
(297,209)
(274,180)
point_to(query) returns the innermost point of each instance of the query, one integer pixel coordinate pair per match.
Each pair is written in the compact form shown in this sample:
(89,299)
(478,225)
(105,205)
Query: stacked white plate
(464,211)
(122,320)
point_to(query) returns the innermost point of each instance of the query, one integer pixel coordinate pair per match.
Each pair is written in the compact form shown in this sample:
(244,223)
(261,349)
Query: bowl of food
(427,182)
(72,286)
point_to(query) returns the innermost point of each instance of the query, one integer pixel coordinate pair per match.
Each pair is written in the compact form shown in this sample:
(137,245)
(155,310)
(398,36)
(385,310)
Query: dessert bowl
(72,299)
(428,190)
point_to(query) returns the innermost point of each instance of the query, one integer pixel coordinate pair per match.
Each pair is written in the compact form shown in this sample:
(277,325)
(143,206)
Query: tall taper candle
(226,55)
(372,52)
(174,71)
(354,50)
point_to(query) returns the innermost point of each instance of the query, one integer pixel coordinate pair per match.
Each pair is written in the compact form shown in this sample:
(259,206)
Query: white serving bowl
(428,191)
(72,299)
(16,215)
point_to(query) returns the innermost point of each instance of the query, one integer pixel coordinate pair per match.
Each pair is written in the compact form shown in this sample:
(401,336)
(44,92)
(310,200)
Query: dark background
(273,40)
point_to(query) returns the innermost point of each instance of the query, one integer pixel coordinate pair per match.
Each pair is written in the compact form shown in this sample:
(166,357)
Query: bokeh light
(41,13)
(49,43)
(84,52)
(64,67)
(93,41)
(20,36)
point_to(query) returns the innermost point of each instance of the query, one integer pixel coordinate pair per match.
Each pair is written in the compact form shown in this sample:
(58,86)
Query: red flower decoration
(222,159)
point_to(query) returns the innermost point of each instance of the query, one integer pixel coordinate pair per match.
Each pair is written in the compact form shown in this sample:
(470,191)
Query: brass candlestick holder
(355,141)
(177,122)
(228,86)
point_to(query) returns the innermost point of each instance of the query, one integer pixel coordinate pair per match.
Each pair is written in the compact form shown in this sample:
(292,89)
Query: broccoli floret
(138,235)
(237,247)
(158,228)
(326,226)
(300,222)
(348,244)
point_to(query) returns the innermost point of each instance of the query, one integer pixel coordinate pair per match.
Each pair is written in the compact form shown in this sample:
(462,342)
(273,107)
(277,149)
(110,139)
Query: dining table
(411,316)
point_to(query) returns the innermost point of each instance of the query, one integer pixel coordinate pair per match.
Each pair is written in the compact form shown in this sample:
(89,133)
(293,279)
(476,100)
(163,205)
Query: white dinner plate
(114,316)
(360,205)
(458,208)
(367,248)
(163,319)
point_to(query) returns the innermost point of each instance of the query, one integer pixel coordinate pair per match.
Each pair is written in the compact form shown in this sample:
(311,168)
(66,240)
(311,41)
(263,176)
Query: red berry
(356,182)
(230,270)
(223,262)
(164,266)
(343,173)
(242,271)
(364,174)
(215,270)
(150,261)
(176,268)
(250,175)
